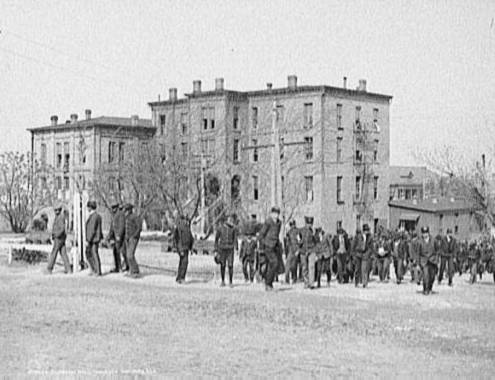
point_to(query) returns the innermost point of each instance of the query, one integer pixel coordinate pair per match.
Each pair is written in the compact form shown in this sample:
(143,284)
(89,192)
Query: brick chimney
(362,85)
(134,120)
(73,118)
(219,84)
(292,82)
(54,120)
(88,114)
(345,83)
(196,87)
(269,86)
(172,94)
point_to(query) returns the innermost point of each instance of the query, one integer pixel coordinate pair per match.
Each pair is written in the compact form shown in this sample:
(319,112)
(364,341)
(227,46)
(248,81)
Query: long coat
(94,233)
(58,229)
(117,226)
(363,249)
(426,252)
(133,225)
(269,234)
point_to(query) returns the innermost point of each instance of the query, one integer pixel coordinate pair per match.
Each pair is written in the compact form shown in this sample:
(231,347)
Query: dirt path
(114,325)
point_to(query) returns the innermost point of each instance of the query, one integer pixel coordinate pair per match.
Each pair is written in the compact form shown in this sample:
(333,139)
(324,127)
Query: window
(66,156)
(375,225)
(375,188)
(211,148)
(280,113)
(183,147)
(255,150)
(111,151)
(308,115)
(163,120)
(183,123)
(358,188)
(456,230)
(81,181)
(121,151)
(255,188)
(58,183)
(281,147)
(339,149)
(339,190)
(358,222)
(235,121)
(212,117)
(357,117)
(358,157)
(66,183)
(254,117)
(408,194)
(339,224)
(43,153)
(58,148)
(339,116)
(401,194)
(375,115)
(204,146)
(308,148)
(375,151)
(235,155)
(308,185)
(204,117)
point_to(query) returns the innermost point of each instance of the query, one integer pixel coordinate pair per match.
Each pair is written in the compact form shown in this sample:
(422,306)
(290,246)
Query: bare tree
(26,187)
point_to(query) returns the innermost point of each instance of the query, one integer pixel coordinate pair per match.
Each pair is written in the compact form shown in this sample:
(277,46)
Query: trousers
(131,246)
(120,256)
(93,258)
(383,266)
(291,266)
(399,269)
(341,260)
(361,270)
(183,262)
(428,276)
(446,262)
(271,265)
(59,246)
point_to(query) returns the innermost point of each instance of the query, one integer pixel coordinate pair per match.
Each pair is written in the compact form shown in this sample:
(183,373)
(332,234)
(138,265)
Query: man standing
(400,254)
(116,236)
(340,245)
(183,241)
(427,259)
(292,247)
(93,237)
(59,236)
(447,258)
(133,225)
(308,253)
(225,246)
(247,254)
(269,239)
(362,248)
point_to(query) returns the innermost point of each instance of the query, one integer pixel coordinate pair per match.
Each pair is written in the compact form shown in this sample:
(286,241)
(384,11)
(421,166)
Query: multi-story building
(76,149)
(408,182)
(334,147)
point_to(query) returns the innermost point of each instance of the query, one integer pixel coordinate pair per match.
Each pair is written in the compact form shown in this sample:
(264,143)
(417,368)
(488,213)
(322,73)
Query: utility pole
(276,177)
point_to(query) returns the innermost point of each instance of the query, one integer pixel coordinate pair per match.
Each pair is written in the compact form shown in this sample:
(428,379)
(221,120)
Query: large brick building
(76,149)
(334,145)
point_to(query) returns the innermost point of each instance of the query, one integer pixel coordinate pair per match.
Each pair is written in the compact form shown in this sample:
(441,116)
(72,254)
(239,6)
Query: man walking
(427,259)
(93,237)
(308,253)
(362,248)
(183,241)
(340,245)
(225,246)
(133,225)
(269,239)
(116,236)
(292,247)
(447,257)
(59,236)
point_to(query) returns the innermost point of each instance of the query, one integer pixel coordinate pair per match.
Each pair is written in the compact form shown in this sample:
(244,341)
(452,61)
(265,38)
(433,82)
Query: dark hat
(128,207)
(425,230)
(366,227)
(308,219)
(449,230)
(58,206)
(91,205)
(275,209)
(114,204)
(292,223)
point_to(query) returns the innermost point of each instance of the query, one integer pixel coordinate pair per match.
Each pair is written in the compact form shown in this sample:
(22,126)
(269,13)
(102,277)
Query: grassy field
(59,325)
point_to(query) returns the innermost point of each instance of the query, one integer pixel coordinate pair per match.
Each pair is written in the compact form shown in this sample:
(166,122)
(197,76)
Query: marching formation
(310,253)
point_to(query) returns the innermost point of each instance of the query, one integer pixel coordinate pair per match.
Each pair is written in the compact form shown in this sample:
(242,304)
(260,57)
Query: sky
(436,58)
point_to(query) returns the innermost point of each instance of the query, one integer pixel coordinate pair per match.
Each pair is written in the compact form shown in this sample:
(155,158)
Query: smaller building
(407,182)
(439,214)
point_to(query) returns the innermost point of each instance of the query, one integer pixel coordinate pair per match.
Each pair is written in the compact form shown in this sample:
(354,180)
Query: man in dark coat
(427,259)
(447,257)
(362,250)
(400,254)
(116,235)
(340,245)
(225,246)
(59,236)
(308,252)
(247,253)
(292,246)
(94,235)
(183,242)
(269,240)
(133,225)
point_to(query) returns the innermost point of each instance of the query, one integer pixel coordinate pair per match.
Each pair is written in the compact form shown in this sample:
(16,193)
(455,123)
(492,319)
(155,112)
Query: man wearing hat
(93,237)
(308,252)
(340,245)
(183,242)
(226,245)
(116,236)
(427,259)
(269,239)
(59,236)
(132,233)
(362,250)
(447,258)
(247,252)
(292,242)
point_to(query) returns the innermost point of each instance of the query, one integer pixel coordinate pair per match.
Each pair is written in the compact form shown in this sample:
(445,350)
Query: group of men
(123,236)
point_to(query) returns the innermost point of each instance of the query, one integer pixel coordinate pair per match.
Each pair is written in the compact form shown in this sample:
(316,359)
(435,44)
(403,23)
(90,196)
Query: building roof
(407,175)
(434,205)
(109,121)
(277,91)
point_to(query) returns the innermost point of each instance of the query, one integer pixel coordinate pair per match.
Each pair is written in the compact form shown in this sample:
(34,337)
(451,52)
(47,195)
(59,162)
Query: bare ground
(62,326)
